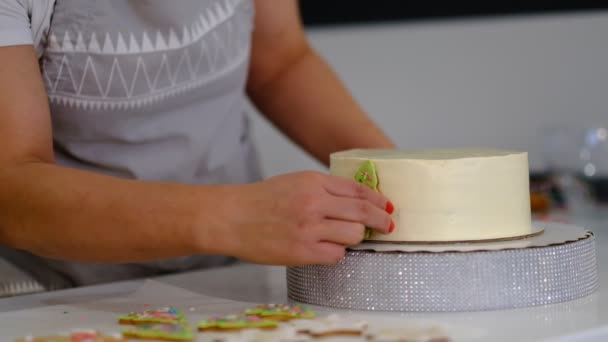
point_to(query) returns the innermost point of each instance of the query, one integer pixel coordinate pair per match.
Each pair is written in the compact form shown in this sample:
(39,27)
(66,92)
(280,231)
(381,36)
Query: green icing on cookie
(366,175)
(171,332)
(282,310)
(236,322)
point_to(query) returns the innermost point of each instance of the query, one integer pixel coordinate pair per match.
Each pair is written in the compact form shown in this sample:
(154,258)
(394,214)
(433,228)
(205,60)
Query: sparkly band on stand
(450,281)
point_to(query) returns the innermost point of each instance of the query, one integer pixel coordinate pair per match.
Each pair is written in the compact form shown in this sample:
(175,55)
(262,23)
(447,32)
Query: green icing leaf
(366,174)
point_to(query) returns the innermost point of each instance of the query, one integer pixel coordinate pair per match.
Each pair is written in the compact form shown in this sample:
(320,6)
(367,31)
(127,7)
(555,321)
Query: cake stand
(555,266)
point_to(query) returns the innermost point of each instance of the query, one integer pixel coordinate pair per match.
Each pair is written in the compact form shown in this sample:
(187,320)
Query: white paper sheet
(101,314)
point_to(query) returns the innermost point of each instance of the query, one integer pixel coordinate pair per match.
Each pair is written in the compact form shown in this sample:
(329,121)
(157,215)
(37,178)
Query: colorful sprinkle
(163,315)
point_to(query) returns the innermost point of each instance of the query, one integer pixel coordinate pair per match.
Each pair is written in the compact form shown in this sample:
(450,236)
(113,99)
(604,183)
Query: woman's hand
(303,218)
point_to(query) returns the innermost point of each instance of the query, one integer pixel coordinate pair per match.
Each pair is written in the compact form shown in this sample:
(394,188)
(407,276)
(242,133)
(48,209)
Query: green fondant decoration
(366,175)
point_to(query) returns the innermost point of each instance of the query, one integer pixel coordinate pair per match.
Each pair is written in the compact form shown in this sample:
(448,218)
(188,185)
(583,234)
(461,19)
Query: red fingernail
(389,207)
(392,227)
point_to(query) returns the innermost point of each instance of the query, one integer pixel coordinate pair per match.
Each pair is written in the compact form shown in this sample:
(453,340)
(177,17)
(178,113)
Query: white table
(580,320)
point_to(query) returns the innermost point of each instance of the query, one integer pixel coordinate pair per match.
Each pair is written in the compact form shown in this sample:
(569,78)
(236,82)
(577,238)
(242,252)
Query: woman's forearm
(65,213)
(309,103)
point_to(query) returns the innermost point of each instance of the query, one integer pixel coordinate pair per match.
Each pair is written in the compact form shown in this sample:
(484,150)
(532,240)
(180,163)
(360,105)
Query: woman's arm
(298,92)
(66,213)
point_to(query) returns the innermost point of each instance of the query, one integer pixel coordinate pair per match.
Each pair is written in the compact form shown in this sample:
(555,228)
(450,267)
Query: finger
(317,253)
(343,187)
(327,253)
(341,232)
(359,211)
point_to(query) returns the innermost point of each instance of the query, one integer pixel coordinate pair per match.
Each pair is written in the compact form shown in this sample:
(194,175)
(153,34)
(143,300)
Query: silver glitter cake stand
(556,266)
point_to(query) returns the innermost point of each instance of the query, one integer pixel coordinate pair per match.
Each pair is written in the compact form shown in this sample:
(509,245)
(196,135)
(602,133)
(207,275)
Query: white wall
(488,83)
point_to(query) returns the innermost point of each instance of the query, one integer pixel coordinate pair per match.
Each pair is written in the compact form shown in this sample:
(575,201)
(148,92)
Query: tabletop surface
(584,319)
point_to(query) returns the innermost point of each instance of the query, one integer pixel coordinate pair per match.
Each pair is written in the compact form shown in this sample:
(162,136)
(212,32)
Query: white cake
(448,195)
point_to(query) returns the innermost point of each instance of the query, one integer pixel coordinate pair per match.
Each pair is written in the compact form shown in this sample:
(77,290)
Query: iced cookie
(332,325)
(281,312)
(164,315)
(75,336)
(283,334)
(236,322)
(407,334)
(160,331)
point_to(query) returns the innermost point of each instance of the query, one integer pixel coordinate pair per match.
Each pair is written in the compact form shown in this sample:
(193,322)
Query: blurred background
(527,76)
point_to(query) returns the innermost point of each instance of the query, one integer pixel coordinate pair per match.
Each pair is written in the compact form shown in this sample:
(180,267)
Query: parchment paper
(101,314)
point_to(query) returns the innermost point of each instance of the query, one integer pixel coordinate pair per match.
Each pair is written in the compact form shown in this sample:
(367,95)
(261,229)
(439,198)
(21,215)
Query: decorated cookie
(236,322)
(407,334)
(163,315)
(366,175)
(283,334)
(160,331)
(75,336)
(332,325)
(281,312)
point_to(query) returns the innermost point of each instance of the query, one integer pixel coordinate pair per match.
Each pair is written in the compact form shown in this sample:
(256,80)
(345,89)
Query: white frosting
(448,195)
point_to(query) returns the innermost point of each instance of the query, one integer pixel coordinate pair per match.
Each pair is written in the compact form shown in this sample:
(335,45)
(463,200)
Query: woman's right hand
(301,218)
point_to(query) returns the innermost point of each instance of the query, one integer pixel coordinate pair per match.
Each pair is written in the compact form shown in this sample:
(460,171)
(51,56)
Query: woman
(126,149)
